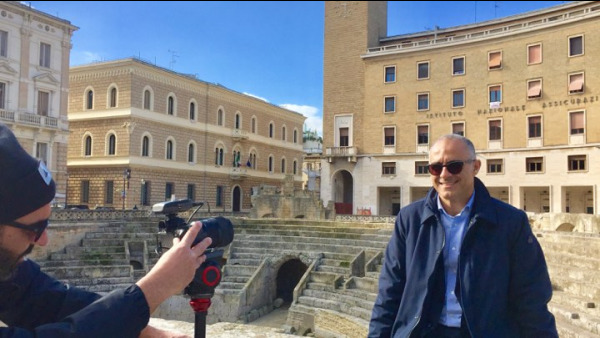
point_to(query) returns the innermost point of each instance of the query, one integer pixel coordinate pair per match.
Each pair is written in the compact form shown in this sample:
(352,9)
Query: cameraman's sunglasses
(453,167)
(37,228)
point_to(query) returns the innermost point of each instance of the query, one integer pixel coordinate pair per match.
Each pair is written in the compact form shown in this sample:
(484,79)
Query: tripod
(202,288)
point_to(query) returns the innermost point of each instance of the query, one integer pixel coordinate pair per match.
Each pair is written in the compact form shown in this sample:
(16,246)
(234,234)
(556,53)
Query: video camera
(219,229)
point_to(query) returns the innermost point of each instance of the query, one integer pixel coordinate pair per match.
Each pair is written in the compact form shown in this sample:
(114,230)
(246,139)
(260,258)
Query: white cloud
(314,120)
(82,58)
(256,97)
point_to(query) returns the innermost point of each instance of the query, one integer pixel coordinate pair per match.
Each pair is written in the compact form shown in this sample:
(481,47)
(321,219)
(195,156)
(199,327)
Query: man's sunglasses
(453,167)
(37,228)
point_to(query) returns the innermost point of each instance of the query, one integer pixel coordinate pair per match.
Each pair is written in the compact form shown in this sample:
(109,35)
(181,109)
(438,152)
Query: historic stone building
(141,134)
(524,89)
(34,69)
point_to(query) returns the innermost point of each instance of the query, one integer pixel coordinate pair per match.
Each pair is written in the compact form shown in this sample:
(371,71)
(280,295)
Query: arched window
(271,130)
(147,99)
(145,146)
(254,125)
(112,144)
(191,153)
(270,164)
(171,105)
(220,117)
(192,111)
(295,167)
(90,100)
(295,136)
(237,121)
(113,97)
(88,146)
(283,165)
(283,133)
(169,150)
(219,155)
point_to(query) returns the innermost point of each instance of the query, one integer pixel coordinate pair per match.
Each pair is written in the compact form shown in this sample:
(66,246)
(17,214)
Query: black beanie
(25,183)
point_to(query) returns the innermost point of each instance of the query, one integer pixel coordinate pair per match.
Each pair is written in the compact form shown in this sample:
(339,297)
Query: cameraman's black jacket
(34,304)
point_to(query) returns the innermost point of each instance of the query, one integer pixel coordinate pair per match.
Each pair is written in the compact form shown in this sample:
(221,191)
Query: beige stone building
(34,81)
(525,89)
(141,134)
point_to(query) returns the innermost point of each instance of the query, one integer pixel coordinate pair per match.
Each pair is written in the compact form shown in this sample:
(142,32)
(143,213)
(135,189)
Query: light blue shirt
(454,227)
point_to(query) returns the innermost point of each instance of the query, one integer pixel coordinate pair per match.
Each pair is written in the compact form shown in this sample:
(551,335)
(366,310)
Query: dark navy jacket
(503,285)
(34,304)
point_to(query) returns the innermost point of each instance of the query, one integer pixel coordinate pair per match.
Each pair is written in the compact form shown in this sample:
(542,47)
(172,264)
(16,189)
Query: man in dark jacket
(34,304)
(461,263)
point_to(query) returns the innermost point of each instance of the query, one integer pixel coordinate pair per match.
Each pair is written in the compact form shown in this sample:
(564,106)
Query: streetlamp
(126,176)
(143,193)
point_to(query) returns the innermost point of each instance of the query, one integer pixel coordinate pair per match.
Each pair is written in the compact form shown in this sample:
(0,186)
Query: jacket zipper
(460,276)
(438,257)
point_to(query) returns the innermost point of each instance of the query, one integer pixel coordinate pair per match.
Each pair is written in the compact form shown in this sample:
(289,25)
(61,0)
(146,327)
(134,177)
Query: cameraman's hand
(175,269)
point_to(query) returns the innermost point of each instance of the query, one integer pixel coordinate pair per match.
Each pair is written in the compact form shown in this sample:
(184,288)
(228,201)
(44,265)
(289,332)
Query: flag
(237,159)
(248,164)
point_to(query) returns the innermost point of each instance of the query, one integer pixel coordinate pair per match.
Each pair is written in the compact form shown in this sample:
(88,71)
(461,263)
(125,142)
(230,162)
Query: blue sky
(270,50)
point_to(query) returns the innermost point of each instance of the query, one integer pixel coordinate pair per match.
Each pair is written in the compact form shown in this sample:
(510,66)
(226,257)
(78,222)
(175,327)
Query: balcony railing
(238,134)
(348,152)
(237,173)
(29,119)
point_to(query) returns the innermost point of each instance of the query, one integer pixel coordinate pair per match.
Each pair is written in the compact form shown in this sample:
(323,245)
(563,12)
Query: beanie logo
(45,173)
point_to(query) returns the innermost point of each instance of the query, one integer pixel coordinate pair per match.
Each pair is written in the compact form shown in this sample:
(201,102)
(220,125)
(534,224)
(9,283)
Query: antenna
(173,56)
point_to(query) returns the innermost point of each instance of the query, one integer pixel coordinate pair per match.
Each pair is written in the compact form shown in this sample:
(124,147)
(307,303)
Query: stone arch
(288,276)
(566,227)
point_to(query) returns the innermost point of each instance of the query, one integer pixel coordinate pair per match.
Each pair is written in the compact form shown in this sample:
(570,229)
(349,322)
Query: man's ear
(476,166)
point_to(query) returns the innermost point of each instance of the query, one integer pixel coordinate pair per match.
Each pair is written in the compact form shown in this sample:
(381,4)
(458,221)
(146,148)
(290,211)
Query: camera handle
(202,288)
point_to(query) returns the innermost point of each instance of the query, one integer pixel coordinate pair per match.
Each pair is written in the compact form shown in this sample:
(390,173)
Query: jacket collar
(482,206)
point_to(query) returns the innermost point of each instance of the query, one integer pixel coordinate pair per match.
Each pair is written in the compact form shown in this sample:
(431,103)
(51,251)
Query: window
(43,103)
(171,105)
(576,45)
(44,55)
(534,89)
(344,138)
(237,121)
(113,97)
(388,168)
(220,117)
(577,162)
(390,104)
(283,133)
(576,83)
(389,137)
(534,126)
(423,101)
(458,128)
(295,167)
(295,136)
(422,135)
(169,190)
(458,98)
(390,74)
(191,192)
(270,164)
(495,60)
(145,146)
(219,156)
(495,129)
(112,144)
(85,191)
(421,168)
(495,93)
(147,99)
(41,152)
(191,153)
(89,99)
(145,193)
(534,54)
(169,150)
(283,165)
(271,130)
(253,125)
(494,166)
(422,70)
(3,44)
(192,111)
(577,122)
(458,65)
(88,146)
(2,95)
(219,197)
(109,190)
(534,164)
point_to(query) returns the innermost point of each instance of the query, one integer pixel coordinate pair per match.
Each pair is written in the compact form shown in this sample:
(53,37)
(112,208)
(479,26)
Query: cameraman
(35,304)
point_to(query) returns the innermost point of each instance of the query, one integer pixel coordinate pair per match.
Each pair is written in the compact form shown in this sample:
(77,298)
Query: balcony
(348,152)
(28,119)
(238,134)
(238,173)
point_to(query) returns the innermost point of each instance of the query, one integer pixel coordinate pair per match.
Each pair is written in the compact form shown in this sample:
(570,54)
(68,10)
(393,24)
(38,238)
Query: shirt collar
(466,209)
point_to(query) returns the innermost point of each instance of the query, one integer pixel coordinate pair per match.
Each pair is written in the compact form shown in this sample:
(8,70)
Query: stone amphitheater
(324,273)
